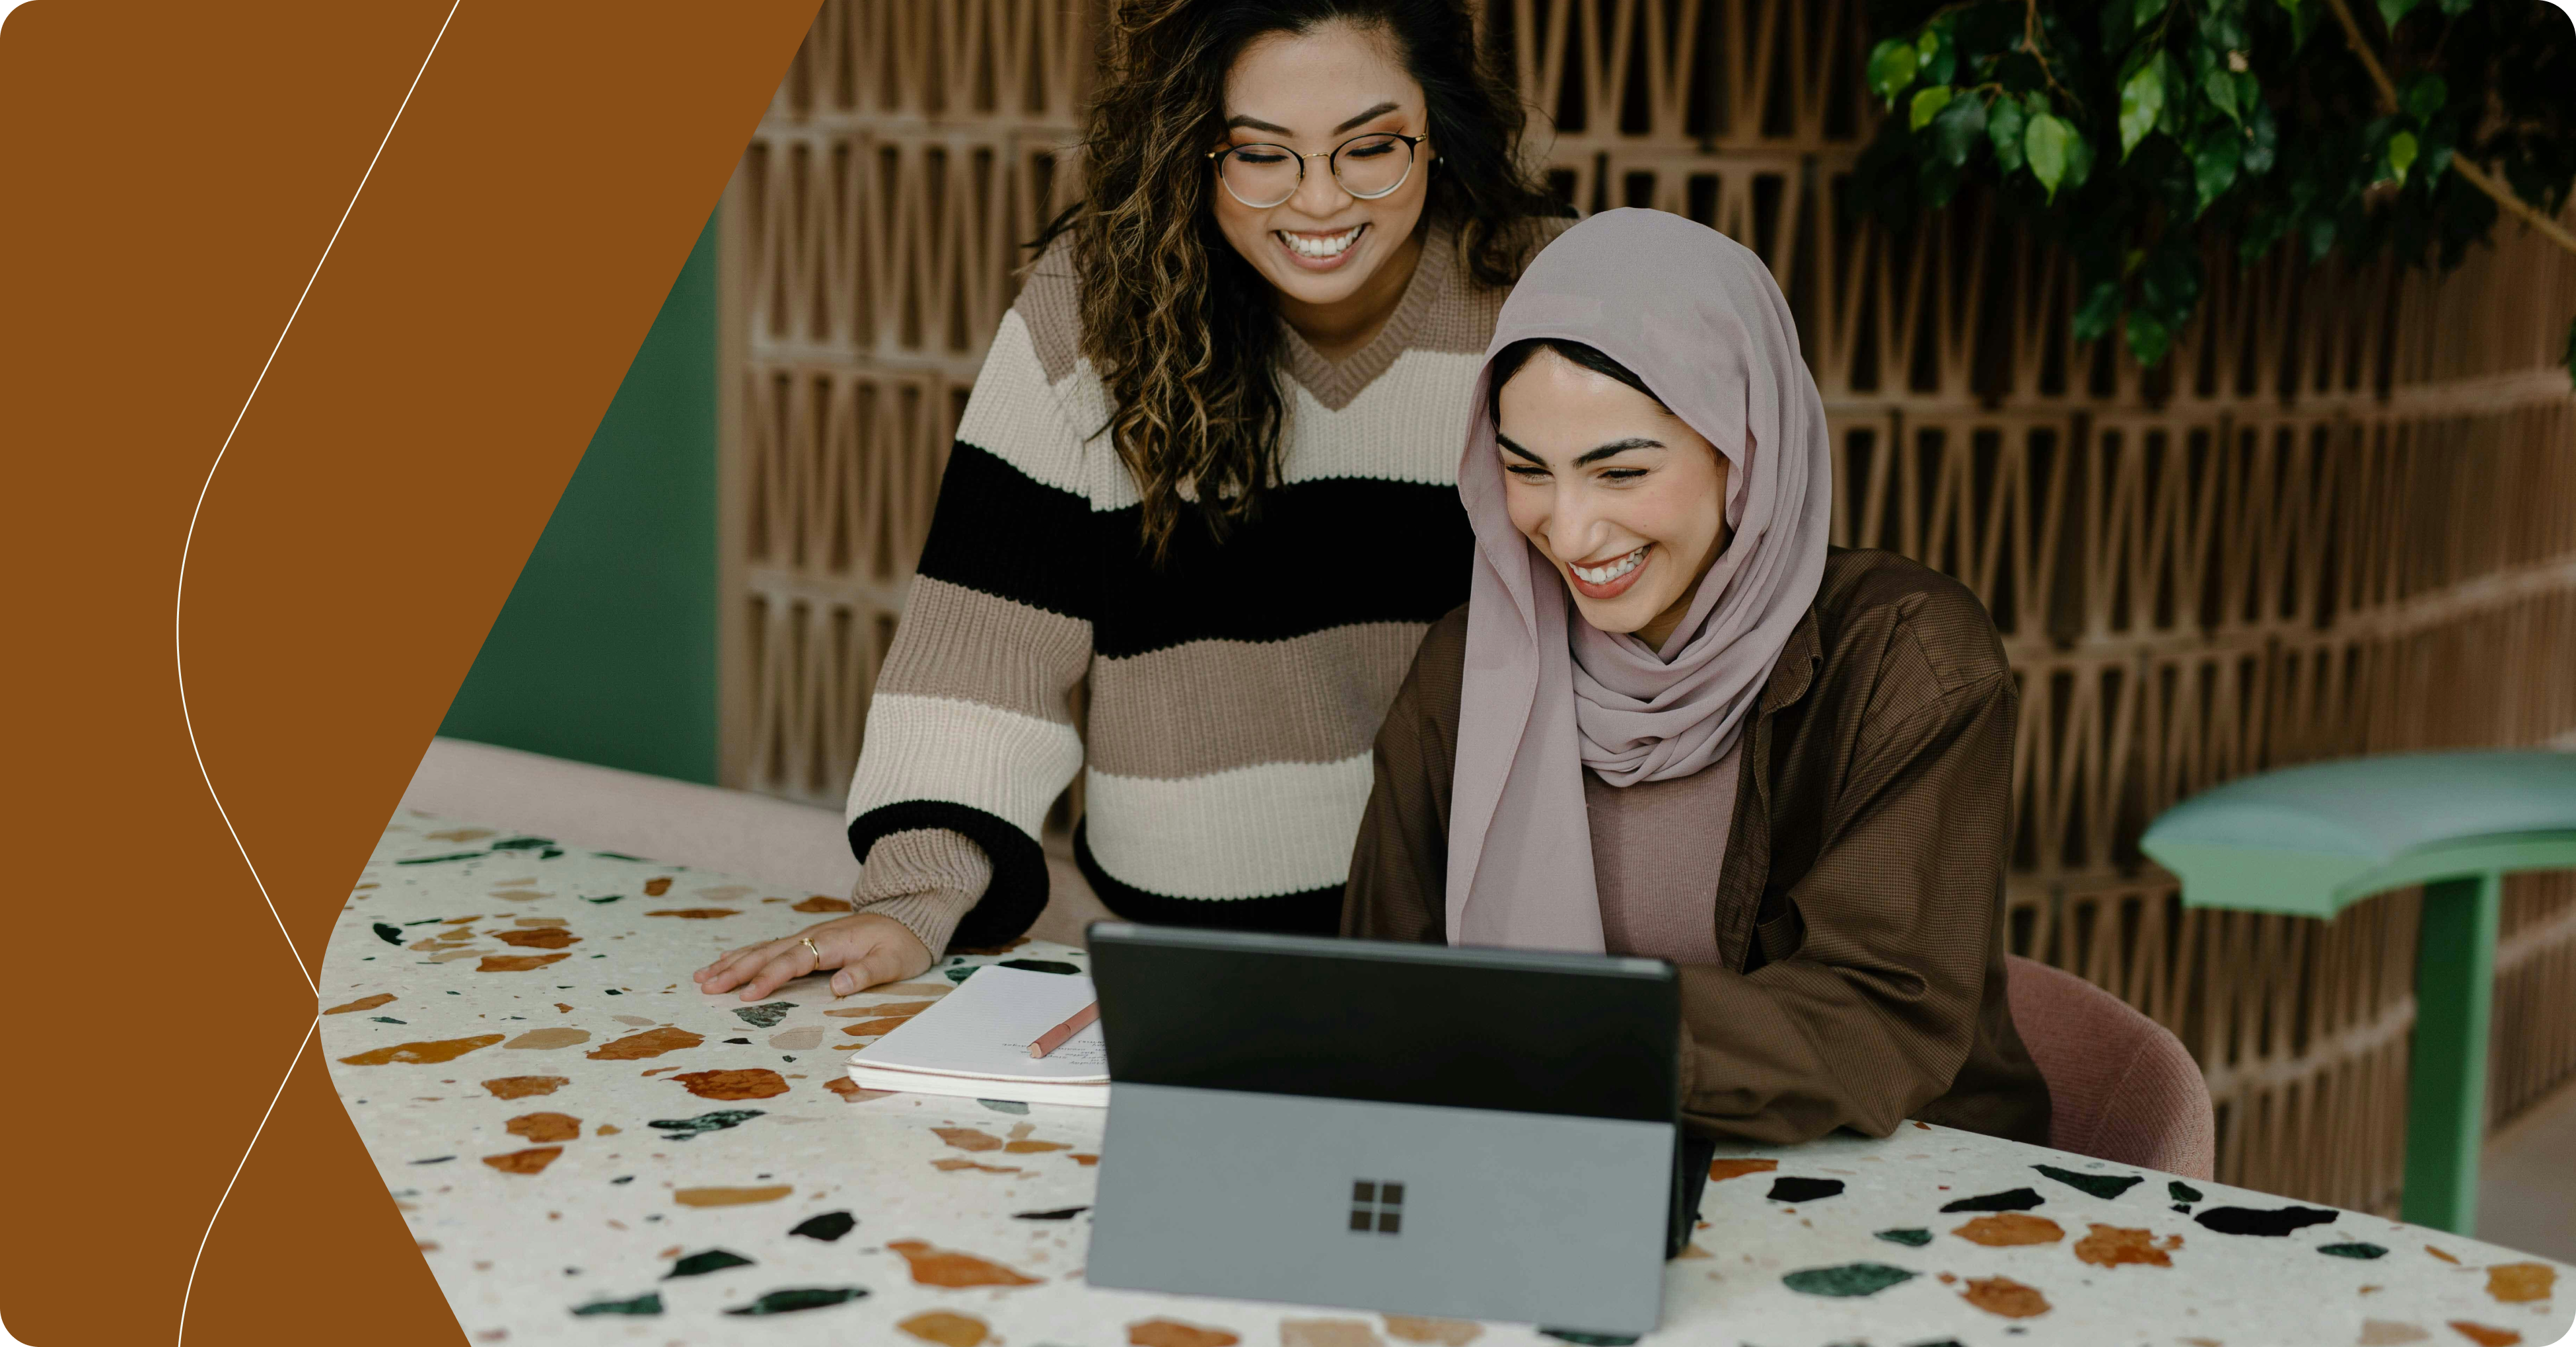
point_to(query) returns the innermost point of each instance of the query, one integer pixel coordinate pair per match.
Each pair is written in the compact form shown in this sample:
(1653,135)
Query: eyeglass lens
(1265,175)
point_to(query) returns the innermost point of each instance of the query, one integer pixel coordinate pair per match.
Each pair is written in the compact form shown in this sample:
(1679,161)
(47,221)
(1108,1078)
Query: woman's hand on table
(866,949)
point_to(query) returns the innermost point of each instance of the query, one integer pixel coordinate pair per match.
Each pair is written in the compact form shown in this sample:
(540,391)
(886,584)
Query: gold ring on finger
(808,942)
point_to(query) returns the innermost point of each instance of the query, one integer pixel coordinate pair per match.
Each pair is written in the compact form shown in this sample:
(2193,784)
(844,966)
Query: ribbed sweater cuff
(926,878)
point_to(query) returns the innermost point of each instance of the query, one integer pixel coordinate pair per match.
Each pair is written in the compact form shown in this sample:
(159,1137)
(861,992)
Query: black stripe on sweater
(998,530)
(1320,555)
(1019,889)
(1314,912)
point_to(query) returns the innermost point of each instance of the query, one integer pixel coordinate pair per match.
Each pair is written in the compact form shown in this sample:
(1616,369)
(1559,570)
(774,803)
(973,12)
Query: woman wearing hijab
(1672,722)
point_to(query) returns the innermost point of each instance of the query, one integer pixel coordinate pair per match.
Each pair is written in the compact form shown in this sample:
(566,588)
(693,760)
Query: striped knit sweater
(1233,693)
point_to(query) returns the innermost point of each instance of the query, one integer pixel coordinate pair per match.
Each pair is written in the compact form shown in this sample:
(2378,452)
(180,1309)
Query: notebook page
(983,1029)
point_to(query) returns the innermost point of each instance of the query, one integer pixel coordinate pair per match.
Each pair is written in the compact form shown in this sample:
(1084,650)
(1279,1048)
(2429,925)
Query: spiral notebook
(975,1043)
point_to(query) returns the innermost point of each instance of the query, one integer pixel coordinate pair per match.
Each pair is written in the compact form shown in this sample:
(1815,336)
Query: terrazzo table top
(590,1151)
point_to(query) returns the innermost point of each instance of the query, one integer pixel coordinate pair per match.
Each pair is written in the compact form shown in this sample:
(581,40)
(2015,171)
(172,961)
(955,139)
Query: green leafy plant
(2132,131)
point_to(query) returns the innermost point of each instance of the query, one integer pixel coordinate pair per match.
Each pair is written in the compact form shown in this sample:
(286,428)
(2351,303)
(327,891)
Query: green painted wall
(606,650)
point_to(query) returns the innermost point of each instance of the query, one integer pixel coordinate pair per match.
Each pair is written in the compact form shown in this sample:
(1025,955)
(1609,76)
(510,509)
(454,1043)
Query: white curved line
(178,655)
(244,1163)
(178,650)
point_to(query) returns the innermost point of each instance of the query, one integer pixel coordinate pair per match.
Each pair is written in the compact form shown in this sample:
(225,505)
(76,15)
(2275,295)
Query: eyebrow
(1256,124)
(1371,115)
(1605,451)
(1618,446)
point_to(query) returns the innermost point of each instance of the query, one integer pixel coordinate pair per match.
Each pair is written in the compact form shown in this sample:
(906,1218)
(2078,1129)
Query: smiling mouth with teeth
(1607,574)
(1329,245)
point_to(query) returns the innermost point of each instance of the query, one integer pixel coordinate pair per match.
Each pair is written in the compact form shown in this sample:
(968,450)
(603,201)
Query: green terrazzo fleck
(700,1264)
(766,1015)
(681,1129)
(1915,1238)
(797,1298)
(648,1303)
(1846,1279)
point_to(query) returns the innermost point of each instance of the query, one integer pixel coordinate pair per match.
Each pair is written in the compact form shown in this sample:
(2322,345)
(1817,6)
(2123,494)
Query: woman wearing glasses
(1207,475)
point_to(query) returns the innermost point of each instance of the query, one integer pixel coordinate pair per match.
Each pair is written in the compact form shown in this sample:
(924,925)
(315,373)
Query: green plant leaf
(2005,123)
(2320,235)
(1925,104)
(2100,309)
(2079,158)
(2222,26)
(2434,153)
(2220,87)
(2214,162)
(1957,128)
(2424,95)
(2393,10)
(2142,99)
(2146,12)
(1891,68)
(1936,56)
(2455,8)
(2043,144)
(2401,154)
(2262,141)
(2149,338)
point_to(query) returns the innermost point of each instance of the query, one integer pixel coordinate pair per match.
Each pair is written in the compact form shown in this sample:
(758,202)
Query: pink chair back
(2120,1086)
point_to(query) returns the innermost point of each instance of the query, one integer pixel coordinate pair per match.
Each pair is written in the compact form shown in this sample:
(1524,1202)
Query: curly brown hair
(1181,327)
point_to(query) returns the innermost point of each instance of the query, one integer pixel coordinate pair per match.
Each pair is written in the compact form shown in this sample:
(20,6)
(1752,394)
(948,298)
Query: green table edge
(2454,973)
(2319,884)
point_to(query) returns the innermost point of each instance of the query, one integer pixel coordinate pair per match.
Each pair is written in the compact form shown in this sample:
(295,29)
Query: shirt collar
(1796,670)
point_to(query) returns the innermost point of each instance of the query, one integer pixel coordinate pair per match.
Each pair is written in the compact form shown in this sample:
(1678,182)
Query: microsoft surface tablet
(1465,1133)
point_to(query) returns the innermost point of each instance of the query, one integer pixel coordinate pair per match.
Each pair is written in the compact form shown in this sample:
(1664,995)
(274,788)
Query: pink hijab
(1698,317)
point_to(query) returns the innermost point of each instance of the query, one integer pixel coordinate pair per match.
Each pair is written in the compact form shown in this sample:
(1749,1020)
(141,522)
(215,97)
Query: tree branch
(2030,43)
(2504,196)
(2475,176)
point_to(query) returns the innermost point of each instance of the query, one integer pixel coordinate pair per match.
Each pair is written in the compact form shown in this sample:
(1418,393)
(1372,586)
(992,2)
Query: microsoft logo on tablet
(1377,1205)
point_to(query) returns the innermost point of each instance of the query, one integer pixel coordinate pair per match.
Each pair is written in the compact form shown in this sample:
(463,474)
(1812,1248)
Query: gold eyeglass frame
(1412,145)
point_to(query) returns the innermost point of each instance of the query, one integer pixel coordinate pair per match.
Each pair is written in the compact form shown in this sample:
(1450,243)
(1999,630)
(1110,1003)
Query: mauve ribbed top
(1657,847)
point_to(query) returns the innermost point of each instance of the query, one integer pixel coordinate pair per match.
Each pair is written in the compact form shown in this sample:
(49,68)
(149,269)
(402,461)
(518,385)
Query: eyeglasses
(1367,167)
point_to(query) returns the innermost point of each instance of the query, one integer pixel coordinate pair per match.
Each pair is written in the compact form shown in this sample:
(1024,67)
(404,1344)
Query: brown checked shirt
(1858,914)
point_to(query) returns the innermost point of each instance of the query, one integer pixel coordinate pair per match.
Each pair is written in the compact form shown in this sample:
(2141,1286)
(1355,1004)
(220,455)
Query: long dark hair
(1180,327)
